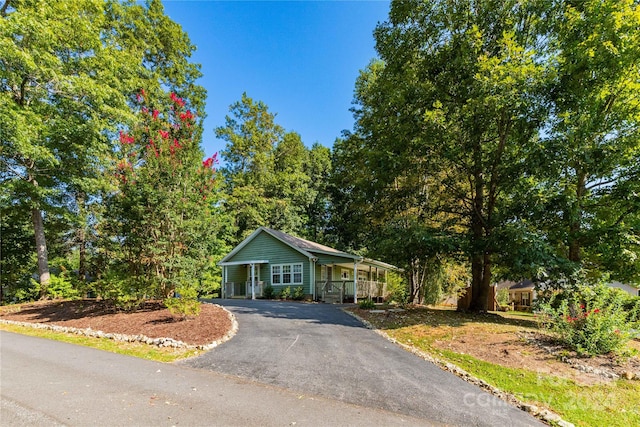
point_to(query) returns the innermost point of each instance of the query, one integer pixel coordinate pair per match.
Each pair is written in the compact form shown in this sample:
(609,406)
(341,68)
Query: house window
(275,274)
(345,274)
(525,299)
(286,274)
(297,273)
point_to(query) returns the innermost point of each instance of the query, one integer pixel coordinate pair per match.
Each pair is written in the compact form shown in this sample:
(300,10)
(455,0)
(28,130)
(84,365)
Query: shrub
(285,293)
(123,292)
(61,287)
(397,288)
(589,319)
(268,292)
(185,303)
(366,304)
(298,293)
(503,297)
(632,307)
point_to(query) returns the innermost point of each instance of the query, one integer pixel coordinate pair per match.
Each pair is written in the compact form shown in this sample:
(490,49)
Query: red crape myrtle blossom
(162,144)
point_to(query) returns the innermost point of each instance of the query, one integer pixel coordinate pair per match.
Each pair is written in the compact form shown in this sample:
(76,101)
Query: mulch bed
(152,320)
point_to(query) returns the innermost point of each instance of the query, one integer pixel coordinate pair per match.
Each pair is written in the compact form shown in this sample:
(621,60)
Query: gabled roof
(305,247)
(525,284)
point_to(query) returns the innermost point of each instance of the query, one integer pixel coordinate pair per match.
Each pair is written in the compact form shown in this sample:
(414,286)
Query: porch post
(355,282)
(253,281)
(312,279)
(223,290)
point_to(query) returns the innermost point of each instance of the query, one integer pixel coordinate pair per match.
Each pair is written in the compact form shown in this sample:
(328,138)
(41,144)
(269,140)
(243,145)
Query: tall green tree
(267,171)
(68,75)
(251,134)
(591,157)
(318,170)
(450,118)
(289,189)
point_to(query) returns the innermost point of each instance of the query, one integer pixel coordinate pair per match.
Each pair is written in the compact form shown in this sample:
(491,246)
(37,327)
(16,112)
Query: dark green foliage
(366,304)
(70,71)
(268,292)
(184,303)
(589,319)
(298,293)
(285,293)
(271,179)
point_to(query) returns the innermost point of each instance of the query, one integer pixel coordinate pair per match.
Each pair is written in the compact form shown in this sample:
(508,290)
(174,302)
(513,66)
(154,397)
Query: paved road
(49,383)
(320,350)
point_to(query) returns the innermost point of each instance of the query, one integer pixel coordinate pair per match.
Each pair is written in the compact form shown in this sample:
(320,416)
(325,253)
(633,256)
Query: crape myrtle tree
(69,71)
(449,120)
(161,220)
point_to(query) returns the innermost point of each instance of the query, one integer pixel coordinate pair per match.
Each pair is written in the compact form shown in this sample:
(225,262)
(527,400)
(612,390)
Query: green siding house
(270,257)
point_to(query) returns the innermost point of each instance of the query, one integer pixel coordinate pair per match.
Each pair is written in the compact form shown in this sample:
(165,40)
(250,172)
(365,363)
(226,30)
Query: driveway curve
(318,349)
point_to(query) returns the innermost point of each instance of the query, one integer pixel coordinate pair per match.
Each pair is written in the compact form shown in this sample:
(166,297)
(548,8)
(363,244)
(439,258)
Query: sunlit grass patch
(143,351)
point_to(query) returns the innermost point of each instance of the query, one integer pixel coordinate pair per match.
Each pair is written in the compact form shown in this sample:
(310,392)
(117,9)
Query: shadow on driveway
(318,349)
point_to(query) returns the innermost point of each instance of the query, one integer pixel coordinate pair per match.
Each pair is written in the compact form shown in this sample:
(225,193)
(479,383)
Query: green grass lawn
(143,351)
(606,404)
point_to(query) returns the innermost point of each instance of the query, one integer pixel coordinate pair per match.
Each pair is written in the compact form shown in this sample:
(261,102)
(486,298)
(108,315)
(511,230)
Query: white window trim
(281,274)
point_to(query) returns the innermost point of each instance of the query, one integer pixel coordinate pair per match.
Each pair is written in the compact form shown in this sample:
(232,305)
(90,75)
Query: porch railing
(259,287)
(242,290)
(337,290)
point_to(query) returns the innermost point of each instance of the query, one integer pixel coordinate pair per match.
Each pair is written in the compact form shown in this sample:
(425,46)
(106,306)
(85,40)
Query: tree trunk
(575,225)
(81,237)
(480,272)
(41,250)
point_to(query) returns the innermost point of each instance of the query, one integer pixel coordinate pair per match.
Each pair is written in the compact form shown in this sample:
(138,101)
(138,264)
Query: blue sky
(301,58)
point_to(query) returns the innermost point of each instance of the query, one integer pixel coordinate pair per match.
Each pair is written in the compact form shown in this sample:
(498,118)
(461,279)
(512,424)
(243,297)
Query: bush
(120,290)
(503,297)
(397,288)
(285,293)
(185,303)
(268,292)
(298,293)
(589,319)
(632,307)
(366,304)
(61,288)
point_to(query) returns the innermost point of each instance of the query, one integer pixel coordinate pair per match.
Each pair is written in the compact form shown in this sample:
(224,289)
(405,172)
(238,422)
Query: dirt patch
(152,320)
(514,343)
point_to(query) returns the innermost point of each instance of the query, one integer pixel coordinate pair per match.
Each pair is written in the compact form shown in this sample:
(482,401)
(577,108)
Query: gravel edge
(158,342)
(542,414)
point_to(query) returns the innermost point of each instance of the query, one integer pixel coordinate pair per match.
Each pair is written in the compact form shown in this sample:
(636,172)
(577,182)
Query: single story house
(270,257)
(522,294)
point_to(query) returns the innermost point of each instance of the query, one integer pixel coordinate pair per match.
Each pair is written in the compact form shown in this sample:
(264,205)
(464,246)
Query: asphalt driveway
(320,350)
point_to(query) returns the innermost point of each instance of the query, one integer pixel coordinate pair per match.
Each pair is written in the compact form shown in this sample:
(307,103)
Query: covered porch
(252,287)
(342,282)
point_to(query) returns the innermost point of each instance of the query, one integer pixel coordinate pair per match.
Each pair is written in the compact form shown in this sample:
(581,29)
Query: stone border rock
(158,342)
(543,414)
